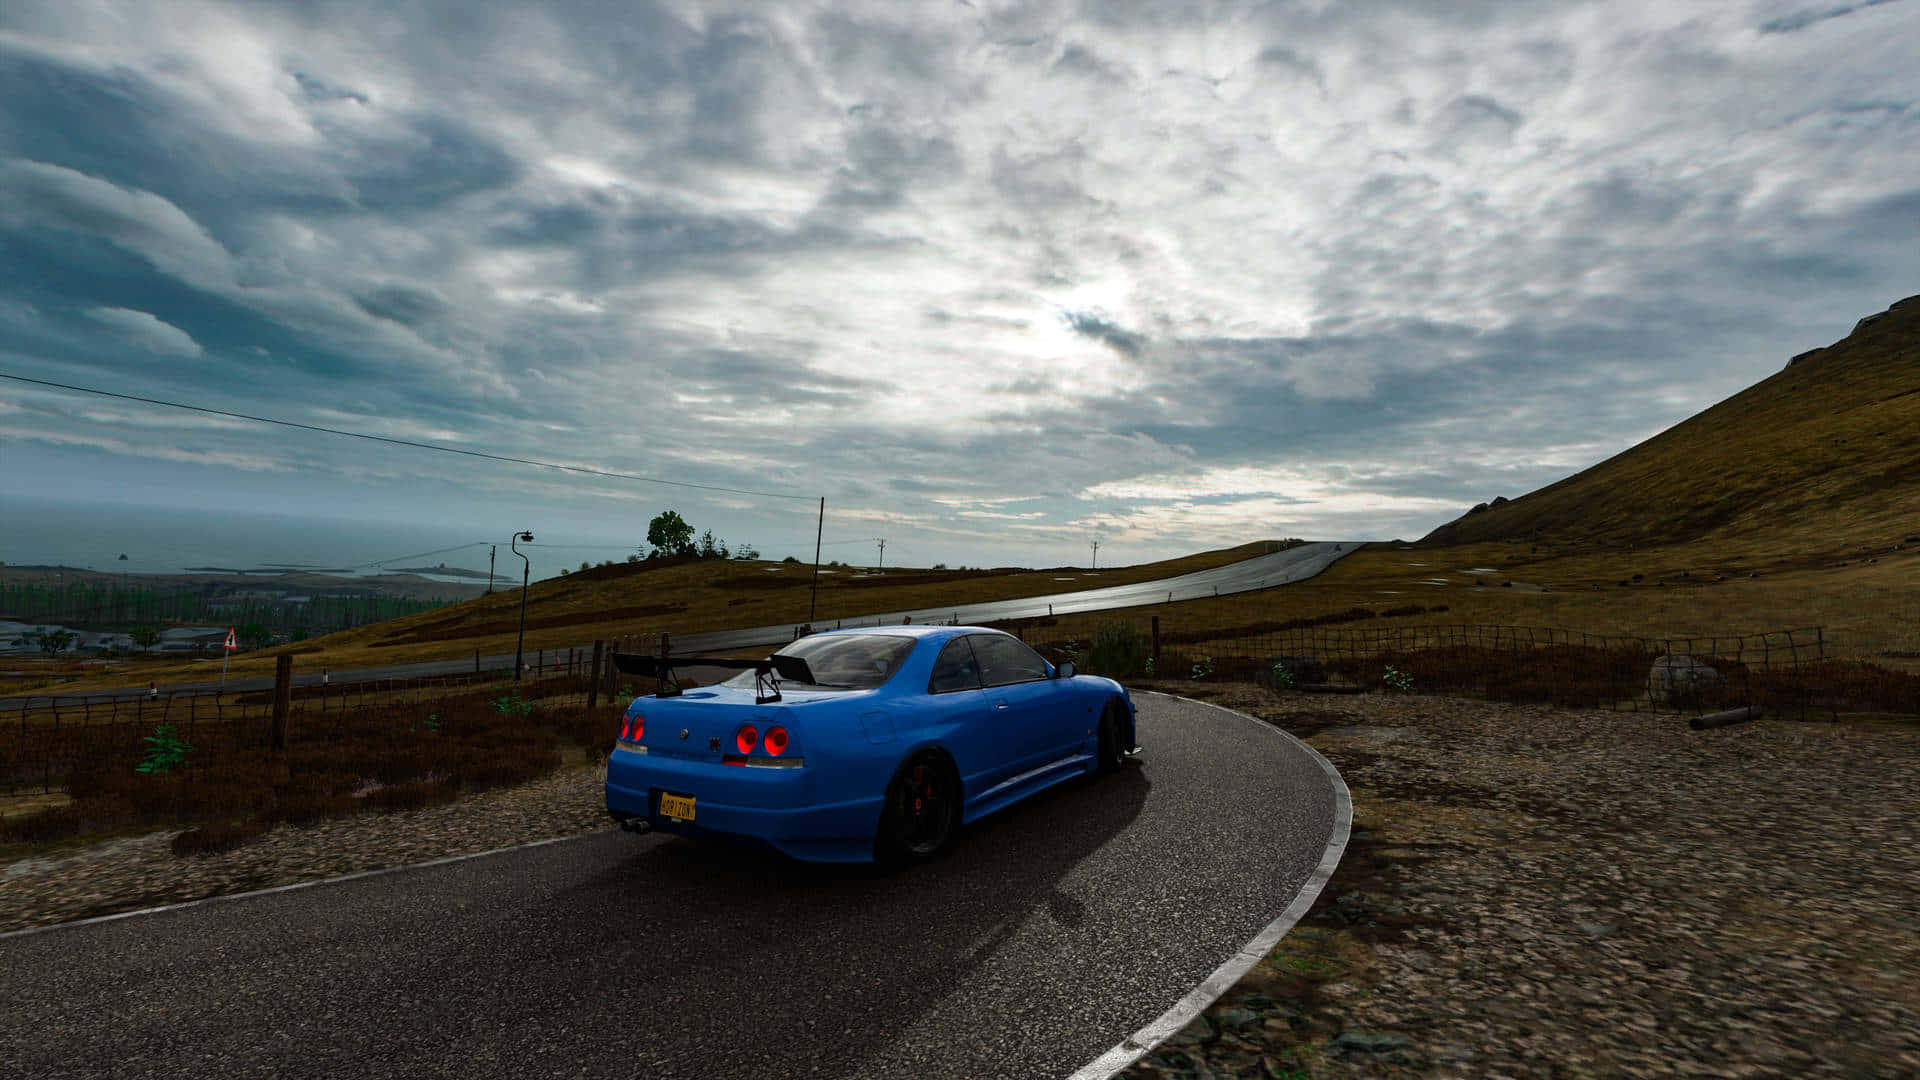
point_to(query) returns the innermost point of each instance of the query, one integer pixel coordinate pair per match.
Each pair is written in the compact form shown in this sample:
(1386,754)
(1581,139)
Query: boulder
(1680,680)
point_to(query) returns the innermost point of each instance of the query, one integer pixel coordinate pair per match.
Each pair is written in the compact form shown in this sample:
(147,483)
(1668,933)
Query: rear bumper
(776,808)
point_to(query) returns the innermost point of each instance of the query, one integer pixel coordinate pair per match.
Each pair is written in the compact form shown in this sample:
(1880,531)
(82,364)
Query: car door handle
(1000,703)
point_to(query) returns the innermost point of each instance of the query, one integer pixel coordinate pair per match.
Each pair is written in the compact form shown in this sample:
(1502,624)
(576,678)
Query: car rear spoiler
(788,668)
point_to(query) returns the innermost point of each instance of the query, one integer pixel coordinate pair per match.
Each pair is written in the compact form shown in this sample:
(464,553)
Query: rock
(1810,352)
(1868,321)
(1368,1042)
(1235,1016)
(1196,1032)
(1597,929)
(1680,680)
(1453,1052)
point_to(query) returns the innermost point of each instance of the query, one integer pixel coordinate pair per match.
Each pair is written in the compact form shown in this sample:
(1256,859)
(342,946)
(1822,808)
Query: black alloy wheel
(1112,750)
(922,811)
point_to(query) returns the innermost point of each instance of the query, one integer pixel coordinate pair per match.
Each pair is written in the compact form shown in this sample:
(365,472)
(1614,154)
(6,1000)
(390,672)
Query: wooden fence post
(282,698)
(1156,644)
(593,678)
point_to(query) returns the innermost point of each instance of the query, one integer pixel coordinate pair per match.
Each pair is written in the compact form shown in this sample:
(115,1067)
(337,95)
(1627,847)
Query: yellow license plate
(677,807)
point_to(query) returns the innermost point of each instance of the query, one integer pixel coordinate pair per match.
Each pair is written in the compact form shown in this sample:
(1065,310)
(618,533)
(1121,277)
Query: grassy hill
(676,596)
(1822,457)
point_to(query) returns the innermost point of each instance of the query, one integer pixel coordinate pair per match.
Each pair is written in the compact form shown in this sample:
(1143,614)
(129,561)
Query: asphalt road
(1051,933)
(1260,572)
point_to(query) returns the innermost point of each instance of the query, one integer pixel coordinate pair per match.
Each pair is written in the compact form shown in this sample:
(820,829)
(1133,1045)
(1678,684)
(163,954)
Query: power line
(422,555)
(403,442)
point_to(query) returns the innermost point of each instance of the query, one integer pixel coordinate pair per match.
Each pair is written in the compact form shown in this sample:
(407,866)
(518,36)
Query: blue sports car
(861,744)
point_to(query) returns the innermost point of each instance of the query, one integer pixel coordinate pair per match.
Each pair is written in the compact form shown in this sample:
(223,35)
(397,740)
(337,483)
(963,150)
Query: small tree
(51,642)
(144,636)
(670,535)
(747,552)
(711,548)
(255,636)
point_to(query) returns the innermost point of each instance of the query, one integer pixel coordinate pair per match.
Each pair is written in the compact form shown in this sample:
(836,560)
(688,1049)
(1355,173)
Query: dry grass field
(676,596)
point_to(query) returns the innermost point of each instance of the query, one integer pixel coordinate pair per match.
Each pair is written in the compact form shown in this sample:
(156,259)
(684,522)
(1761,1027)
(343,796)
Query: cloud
(1800,20)
(1139,266)
(144,330)
(139,222)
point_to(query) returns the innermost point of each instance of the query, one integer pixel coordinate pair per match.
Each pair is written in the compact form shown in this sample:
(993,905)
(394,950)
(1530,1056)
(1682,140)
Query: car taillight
(635,726)
(745,740)
(776,740)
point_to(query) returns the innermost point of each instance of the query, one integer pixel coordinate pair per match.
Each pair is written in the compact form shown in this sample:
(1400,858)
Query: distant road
(1260,572)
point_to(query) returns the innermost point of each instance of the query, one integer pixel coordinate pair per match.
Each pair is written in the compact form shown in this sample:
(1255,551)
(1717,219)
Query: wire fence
(1785,672)
(43,738)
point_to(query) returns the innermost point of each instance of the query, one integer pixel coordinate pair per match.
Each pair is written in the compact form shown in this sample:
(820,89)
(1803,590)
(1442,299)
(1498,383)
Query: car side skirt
(1014,789)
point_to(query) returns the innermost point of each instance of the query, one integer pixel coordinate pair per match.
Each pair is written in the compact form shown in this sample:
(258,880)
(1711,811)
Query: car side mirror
(1064,670)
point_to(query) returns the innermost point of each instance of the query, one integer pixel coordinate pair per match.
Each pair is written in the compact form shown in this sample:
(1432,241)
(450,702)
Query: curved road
(1260,572)
(1050,934)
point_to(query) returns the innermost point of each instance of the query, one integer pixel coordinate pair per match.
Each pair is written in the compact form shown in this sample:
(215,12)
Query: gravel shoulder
(137,872)
(1543,892)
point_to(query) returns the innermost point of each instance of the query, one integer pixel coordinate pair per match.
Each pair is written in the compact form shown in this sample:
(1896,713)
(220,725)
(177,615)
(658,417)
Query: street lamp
(526,571)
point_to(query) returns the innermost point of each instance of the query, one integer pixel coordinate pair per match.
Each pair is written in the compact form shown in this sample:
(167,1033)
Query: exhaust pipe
(636,825)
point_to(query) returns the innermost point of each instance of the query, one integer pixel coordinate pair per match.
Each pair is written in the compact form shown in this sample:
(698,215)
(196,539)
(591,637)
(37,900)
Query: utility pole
(819,530)
(883,554)
(1096,554)
(491,552)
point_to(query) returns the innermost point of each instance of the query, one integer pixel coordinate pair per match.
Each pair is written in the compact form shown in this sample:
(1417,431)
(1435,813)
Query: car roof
(916,630)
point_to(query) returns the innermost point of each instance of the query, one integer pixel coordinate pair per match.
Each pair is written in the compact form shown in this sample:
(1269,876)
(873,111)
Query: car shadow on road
(705,930)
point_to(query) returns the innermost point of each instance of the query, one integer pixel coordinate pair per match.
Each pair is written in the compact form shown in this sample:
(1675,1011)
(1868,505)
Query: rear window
(843,661)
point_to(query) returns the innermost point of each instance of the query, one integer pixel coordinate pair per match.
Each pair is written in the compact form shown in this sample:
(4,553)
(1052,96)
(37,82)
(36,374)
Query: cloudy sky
(997,280)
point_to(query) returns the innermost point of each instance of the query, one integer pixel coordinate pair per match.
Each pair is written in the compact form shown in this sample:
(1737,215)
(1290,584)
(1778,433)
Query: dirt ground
(1534,892)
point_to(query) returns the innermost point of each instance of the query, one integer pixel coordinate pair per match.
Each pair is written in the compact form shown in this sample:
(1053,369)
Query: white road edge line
(1140,1043)
(296,885)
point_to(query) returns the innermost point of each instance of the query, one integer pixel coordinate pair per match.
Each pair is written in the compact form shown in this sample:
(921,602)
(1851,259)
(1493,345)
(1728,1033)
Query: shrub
(1118,649)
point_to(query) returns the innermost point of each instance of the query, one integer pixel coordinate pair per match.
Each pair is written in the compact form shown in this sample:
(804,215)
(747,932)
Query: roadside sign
(231,644)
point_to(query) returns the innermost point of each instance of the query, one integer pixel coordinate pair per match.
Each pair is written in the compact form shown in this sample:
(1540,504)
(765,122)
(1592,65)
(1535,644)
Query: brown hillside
(1824,454)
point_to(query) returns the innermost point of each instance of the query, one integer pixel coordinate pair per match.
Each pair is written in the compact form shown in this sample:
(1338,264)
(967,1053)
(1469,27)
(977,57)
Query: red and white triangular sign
(231,644)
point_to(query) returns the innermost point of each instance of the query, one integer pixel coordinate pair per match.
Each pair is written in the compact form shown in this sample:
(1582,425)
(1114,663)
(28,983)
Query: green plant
(1312,966)
(1118,649)
(433,724)
(508,704)
(168,752)
(1204,668)
(1282,677)
(1072,650)
(1397,680)
(1149,667)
